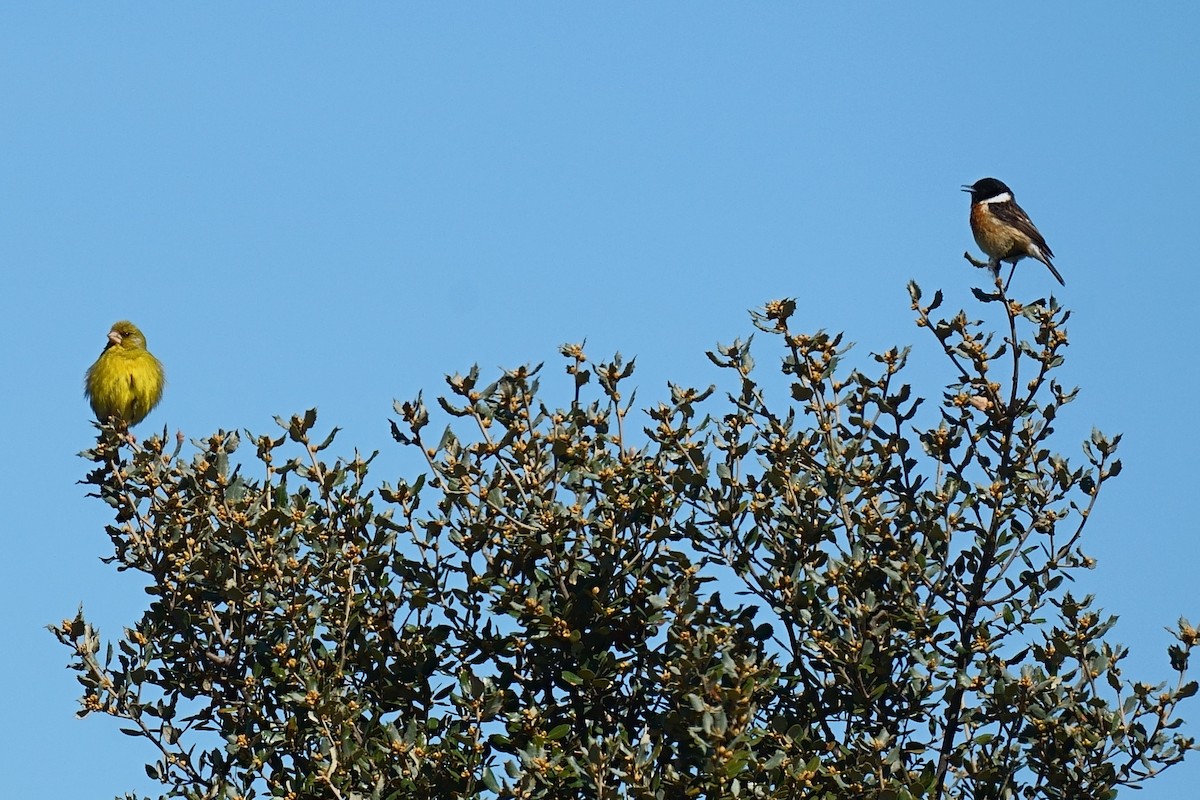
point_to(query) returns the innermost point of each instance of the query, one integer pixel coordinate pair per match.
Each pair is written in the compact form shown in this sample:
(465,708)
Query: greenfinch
(126,381)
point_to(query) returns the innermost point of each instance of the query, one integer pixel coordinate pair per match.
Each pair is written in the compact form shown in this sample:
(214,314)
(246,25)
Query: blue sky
(330,206)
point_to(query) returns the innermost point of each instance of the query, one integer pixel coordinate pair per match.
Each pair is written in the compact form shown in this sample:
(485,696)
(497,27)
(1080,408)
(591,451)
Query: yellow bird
(126,381)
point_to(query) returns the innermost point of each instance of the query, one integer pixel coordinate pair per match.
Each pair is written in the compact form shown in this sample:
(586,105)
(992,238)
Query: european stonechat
(1002,228)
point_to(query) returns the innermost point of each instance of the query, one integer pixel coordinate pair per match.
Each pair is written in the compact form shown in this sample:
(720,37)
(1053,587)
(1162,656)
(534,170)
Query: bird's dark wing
(1012,214)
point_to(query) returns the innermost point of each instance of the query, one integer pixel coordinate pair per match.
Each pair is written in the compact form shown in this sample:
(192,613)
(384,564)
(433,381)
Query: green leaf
(558,732)
(489,780)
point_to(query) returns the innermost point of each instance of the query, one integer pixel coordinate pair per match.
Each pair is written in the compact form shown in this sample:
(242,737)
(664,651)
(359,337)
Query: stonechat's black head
(986,188)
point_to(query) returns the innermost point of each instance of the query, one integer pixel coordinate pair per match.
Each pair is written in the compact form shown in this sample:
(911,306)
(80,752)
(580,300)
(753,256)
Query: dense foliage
(820,595)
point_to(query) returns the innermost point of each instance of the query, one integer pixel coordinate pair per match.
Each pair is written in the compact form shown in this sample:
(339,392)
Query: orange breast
(999,241)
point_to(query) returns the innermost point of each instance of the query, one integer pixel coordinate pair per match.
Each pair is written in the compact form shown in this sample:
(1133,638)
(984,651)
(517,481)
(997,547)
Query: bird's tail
(1053,271)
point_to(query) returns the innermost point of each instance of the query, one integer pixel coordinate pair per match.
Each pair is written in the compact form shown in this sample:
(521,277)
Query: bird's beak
(966,188)
(114,337)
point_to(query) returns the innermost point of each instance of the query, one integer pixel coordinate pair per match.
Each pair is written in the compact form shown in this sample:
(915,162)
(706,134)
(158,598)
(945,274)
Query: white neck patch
(1005,197)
